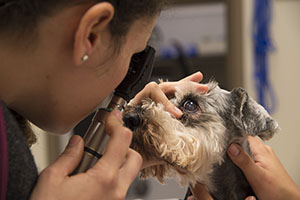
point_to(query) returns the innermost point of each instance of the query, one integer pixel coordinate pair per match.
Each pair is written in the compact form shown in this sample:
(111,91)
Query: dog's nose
(132,120)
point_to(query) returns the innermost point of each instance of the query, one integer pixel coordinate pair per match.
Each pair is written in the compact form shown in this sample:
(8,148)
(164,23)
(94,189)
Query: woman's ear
(93,25)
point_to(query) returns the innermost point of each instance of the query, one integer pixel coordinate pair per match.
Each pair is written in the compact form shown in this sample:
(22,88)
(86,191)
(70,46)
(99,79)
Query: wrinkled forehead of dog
(235,105)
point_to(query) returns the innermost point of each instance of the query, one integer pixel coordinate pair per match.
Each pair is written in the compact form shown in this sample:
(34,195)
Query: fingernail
(74,141)
(234,150)
(251,198)
(178,111)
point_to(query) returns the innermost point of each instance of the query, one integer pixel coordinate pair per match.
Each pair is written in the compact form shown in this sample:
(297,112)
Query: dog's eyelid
(190,96)
(189,105)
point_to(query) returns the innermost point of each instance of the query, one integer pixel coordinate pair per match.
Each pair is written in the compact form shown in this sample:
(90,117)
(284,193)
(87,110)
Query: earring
(85,58)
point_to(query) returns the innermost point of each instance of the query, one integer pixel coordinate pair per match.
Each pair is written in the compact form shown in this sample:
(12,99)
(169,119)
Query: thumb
(70,158)
(199,192)
(242,159)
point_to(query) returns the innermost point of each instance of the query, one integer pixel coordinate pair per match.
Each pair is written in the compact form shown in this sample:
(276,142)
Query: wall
(284,76)
(48,147)
(40,149)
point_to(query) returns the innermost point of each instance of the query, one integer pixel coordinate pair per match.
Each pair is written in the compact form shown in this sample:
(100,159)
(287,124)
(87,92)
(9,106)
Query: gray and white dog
(193,148)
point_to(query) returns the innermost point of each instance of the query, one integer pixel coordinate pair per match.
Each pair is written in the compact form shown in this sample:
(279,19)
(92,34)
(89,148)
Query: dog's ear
(251,117)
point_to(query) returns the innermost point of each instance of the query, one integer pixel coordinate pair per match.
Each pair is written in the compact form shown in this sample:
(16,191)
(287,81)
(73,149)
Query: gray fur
(236,111)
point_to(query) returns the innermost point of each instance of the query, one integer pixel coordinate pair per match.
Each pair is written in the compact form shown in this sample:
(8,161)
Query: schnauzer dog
(193,148)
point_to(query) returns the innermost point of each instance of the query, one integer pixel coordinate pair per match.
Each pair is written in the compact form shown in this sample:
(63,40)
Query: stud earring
(85,58)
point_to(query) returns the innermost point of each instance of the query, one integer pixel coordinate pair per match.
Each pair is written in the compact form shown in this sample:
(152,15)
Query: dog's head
(191,145)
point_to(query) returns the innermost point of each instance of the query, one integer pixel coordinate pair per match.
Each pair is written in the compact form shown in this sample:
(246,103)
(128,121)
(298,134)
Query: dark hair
(19,18)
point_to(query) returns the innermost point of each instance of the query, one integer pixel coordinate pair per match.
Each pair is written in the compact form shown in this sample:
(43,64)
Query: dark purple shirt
(3,157)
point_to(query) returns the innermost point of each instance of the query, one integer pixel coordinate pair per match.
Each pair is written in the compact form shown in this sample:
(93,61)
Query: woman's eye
(190,105)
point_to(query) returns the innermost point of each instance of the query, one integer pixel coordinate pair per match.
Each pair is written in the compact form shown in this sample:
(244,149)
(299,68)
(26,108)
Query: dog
(193,148)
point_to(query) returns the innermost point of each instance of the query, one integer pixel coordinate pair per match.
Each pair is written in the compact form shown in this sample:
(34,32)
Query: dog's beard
(188,149)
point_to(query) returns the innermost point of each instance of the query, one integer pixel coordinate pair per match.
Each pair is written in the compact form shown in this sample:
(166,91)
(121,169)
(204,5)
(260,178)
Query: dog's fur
(194,146)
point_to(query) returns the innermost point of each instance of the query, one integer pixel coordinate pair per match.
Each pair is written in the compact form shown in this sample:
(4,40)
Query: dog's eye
(190,106)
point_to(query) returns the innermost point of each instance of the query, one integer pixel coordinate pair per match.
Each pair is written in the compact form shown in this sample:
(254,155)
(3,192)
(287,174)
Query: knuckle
(50,174)
(169,104)
(152,85)
(137,155)
(162,83)
(110,179)
(269,180)
(269,149)
(138,158)
(127,134)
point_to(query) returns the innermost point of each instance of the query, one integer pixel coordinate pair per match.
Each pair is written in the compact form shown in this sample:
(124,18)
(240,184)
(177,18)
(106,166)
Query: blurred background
(216,37)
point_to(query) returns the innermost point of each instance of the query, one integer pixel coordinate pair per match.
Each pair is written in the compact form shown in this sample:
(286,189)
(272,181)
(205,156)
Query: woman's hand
(160,92)
(199,193)
(266,175)
(110,178)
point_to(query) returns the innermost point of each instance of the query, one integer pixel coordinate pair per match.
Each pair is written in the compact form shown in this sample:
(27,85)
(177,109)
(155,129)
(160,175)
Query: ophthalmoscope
(95,139)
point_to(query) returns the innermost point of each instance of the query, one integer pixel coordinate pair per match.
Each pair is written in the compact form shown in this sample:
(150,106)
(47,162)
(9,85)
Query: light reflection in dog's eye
(190,105)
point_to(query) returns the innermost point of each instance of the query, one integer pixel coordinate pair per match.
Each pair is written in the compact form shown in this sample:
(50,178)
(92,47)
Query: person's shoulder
(8,115)
(21,165)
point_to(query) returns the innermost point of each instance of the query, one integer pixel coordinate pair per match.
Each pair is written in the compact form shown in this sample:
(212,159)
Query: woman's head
(42,74)
(20,18)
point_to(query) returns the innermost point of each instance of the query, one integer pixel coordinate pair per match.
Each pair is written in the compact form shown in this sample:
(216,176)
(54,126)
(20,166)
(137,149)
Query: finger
(118,143)
(70,158)
(195,77)
(245,163)
(169,88)
(199,192)
(130,168)
(256,145)
(153,92)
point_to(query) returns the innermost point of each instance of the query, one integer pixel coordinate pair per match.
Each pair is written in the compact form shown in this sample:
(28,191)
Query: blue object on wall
(262,47)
